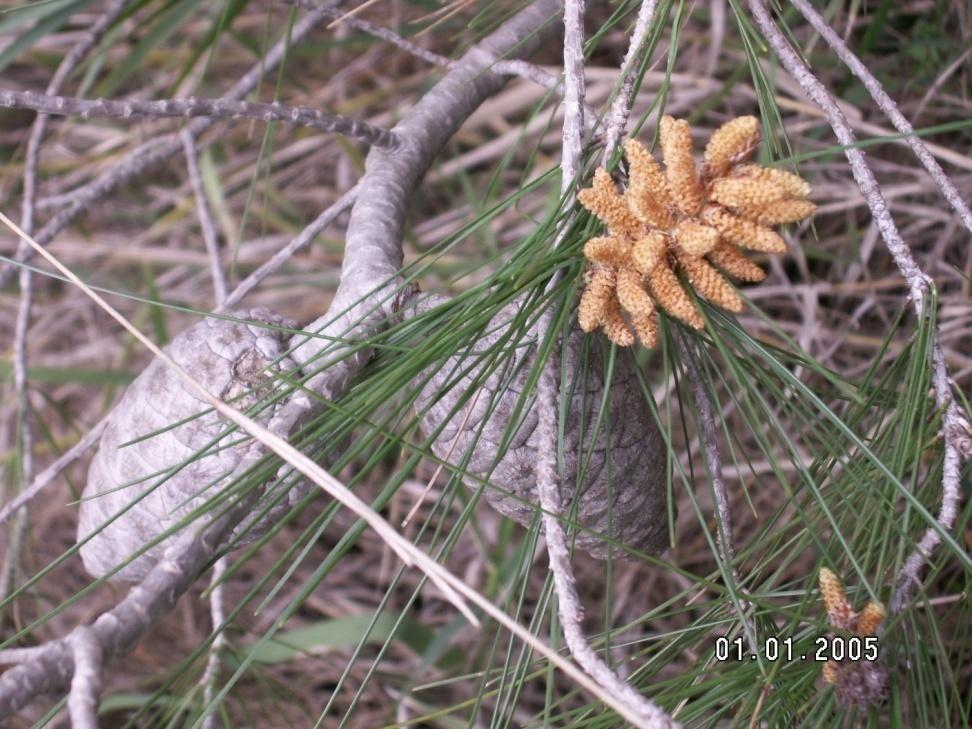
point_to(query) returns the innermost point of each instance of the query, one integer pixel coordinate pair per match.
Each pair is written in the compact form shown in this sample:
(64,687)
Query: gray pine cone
(234,361)
(635,514)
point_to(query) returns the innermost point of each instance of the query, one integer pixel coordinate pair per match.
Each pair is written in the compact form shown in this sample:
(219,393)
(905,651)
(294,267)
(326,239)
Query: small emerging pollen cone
(738,192)
(732,143)
(647,193)
(696,239)
(647,329)
(870,619)
(829,672)
(671,297)
(683,179)
(607,250)
(710,283)
(632,295)
(604,201)
(729,259)
(648,252)
(596,299)
(831,589)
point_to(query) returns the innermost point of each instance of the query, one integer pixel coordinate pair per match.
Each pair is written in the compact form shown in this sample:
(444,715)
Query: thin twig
(510,67)
(300,242)
(710,447)
(574,92)
(196,107)
(621,107)
(206,223)
(886,104)
(918,284)
(217,613)
(86,684)
(548,481)
(379,32)
(158,151)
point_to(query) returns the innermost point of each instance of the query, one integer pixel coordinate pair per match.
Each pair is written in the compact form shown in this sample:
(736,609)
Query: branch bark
(373,251)
(192,107)
(569,605)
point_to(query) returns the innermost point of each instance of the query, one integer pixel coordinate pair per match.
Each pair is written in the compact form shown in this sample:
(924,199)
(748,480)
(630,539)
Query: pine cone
(234,361)
(635,514)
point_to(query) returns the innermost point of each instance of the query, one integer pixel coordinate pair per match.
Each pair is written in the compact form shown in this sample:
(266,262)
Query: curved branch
(194,107)
(373,249)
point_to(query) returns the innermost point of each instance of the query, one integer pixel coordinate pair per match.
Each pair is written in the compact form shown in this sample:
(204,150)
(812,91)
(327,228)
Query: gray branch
(196,107)
(206,223)
(373,249)
(918,284)
(86,684)
(373,255)
(621,107)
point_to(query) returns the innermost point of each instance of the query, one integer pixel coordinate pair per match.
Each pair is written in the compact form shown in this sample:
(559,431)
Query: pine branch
(569,605)
(918,282)
(215,109)
(618,115)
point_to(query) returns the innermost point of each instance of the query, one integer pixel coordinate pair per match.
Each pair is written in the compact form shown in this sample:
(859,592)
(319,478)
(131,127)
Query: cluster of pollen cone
(861,683)
(680,219)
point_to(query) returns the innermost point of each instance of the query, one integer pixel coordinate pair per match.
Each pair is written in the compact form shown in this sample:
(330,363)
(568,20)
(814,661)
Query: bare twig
(28,205)
(217,612)
(710,447)
(379,32)
(621,107)
(328,216)
(206,224)
(918,284)
(195,107)
(160,150)
(890,109)
(574,92)
(86,684)
(510,67)
(548,481)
